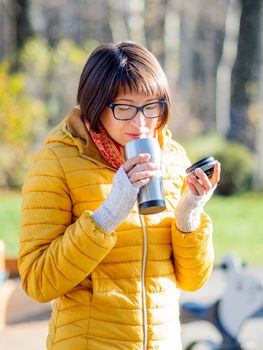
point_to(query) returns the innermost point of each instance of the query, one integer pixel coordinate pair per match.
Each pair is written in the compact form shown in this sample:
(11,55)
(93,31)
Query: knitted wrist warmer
(188,210)
(118,204)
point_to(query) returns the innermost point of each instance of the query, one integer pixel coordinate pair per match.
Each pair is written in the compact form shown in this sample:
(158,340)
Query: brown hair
(112,68)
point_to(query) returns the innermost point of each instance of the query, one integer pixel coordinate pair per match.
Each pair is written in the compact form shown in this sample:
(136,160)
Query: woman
(115,275)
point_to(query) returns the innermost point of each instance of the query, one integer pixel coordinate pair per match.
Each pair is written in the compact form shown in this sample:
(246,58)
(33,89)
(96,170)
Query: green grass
(238,225)
(10,204)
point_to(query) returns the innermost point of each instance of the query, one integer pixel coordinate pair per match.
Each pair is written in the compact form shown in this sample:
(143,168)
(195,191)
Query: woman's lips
(136,135)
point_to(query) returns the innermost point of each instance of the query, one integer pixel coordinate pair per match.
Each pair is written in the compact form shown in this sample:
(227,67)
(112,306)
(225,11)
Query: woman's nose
(139,119)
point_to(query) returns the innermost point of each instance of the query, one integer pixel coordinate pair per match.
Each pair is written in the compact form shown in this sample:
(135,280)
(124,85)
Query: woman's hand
(199,184)
(139,170)
(135,173)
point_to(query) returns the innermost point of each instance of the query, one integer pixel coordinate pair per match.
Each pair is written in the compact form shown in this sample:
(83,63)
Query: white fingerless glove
(118,204)
(188,210)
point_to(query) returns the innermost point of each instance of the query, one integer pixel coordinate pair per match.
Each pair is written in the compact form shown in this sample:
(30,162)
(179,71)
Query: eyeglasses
(127,112)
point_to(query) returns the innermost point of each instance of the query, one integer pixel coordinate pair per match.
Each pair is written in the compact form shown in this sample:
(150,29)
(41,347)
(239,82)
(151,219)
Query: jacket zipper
(144,307)
(144,257)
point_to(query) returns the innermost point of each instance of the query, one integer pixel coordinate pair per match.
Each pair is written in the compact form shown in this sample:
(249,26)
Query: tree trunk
(258,179)
(7,29)
(225,67)
(119,20)
(186,73)
(245,74)
(15,27)
(154,22)
(98,20)
(208,50)
(23,26)
(134,17)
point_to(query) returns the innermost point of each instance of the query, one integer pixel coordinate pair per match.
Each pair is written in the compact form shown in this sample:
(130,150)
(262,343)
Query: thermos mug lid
(206,164)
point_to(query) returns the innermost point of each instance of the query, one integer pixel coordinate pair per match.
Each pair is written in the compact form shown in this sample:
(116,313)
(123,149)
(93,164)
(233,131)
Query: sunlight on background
(212,53)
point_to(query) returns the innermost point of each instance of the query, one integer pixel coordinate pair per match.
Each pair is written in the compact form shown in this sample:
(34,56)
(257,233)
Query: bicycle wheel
(202,345)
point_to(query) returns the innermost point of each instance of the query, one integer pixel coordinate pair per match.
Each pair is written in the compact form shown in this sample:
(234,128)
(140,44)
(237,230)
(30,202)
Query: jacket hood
(62,133)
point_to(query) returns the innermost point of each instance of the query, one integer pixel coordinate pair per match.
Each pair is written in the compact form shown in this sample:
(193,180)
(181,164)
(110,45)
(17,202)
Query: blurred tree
(154,23)
(195,42)
(245,77)
(34,99)
(201,47)
(223,91)
(119,19)
(258,178)
(80,20)
(50,68)
(22,22)
(15,25)
(94,20)
(21,124)
(136,23)
(7,36)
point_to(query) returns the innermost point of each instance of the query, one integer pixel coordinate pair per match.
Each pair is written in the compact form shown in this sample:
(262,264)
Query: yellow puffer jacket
(117,291)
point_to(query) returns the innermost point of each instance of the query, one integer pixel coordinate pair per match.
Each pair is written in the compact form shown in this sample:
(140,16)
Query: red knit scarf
(111,151)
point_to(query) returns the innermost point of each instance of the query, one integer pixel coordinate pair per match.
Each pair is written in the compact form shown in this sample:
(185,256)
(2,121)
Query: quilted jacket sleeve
(193,253)
(55,255)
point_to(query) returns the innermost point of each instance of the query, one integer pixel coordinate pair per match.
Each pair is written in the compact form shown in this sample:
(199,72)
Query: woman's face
(123,131)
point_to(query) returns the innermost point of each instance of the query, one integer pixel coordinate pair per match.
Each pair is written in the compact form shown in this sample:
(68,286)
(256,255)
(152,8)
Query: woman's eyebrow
(132,101)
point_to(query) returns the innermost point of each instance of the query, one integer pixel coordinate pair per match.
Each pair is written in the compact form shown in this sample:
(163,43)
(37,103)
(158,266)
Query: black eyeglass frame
(140,108)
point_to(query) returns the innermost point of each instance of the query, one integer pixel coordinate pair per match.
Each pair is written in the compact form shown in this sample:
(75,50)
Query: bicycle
(241,300)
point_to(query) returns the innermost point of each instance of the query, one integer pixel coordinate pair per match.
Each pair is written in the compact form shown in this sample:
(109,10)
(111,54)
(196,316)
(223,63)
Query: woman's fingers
(196,183)
(141,174)
(139,158)
(140,170)
(200,184)
(141,182)
(138,179)
(202,179)
(143,168)
(191,185)
(216,174)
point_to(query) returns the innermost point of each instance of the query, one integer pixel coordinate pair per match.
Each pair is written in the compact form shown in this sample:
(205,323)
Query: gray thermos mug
(151,196)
